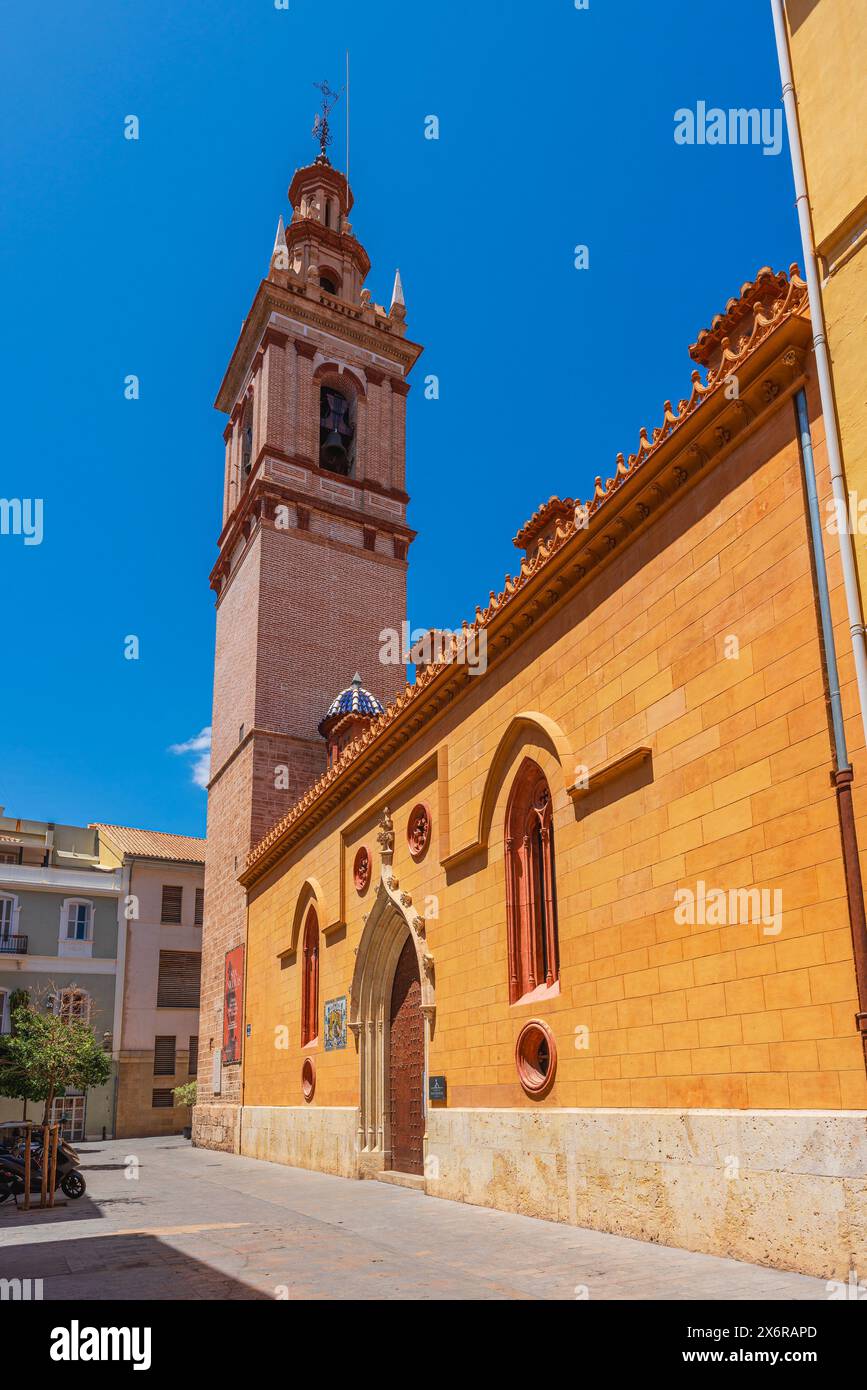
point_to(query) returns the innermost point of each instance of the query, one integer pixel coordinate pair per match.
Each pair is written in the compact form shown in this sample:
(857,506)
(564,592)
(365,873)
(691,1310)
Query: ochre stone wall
(737,794)
(828,45)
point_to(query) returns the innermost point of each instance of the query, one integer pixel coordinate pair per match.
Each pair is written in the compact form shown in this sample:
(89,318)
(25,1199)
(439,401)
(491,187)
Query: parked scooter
(67,1176)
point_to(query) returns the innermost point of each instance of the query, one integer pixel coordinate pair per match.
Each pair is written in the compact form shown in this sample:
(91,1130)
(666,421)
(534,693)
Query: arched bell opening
(337,430)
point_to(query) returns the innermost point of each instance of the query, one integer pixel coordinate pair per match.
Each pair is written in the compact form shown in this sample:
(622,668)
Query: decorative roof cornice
(555,509)
(374,333)
(644,482)
(767,287)
(263,488)
(342,243)
(320,172)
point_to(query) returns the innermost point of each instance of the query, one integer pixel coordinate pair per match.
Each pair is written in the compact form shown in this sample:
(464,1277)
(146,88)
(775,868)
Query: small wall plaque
(436,1088)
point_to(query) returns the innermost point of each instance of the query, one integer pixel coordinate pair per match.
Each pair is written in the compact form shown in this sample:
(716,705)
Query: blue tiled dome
(354,700)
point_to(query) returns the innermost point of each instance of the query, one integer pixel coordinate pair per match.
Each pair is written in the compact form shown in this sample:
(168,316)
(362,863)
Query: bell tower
(312,557)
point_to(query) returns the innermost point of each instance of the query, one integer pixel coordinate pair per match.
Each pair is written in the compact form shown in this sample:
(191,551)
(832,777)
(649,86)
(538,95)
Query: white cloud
(200,745)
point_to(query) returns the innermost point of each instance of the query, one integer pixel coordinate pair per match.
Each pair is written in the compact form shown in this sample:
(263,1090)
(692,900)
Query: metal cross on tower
(321,129)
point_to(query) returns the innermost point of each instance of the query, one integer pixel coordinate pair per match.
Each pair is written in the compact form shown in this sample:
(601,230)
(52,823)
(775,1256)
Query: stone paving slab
(201,1225)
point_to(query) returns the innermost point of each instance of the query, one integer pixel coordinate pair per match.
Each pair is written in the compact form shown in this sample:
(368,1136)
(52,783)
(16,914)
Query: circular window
(308,1078)
(418,830)
(361,869)
(536,1058)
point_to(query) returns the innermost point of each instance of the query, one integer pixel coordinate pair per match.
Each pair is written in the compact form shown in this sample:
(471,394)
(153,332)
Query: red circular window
(418,830)
(361,869)
(536,1058)
(308,1078)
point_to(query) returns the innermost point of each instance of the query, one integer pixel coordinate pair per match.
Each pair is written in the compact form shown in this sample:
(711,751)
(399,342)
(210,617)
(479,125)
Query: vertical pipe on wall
(809,471)
(842,774)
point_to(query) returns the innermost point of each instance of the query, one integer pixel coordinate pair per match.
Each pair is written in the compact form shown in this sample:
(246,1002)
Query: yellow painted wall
(828,42)
(828,45)
(739,795)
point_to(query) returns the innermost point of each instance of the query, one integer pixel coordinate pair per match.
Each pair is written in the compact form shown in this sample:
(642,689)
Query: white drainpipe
(120,975)
(823,363)
(120,981)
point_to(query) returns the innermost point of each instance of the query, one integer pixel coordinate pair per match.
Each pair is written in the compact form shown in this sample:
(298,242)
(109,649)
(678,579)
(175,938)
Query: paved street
(195,1224)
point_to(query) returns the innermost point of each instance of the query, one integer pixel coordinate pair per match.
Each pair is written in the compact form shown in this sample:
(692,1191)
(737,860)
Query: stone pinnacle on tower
(280,255)
(398,303)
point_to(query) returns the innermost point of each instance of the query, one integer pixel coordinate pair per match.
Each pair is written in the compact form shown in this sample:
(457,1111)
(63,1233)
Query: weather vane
(321,130)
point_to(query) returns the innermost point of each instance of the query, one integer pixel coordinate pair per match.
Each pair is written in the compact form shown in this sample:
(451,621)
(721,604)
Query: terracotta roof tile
(153,844)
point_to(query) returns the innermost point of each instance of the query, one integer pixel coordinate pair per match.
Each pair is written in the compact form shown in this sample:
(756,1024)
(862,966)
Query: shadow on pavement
(127,1266)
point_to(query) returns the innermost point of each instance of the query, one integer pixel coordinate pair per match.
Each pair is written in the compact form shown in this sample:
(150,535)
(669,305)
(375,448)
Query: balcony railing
(13,945)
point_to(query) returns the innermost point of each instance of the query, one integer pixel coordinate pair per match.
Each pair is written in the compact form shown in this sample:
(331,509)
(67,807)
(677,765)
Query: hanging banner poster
(233,1005)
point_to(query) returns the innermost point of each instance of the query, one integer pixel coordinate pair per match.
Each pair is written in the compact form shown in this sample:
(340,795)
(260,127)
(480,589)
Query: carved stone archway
(391,921)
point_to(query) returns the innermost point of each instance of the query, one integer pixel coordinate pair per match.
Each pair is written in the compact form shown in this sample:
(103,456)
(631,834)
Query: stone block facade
(710,1084)
(697,1075)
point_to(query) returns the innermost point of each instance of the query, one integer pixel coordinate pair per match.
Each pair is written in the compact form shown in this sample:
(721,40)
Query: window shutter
(172,902)
(178,986)
(200,907)
(193,1065)
(164,1056)
(162,1100)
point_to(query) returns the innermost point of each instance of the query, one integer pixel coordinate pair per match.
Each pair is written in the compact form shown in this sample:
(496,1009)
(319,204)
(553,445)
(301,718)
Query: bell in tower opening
(336,431)
(247,438)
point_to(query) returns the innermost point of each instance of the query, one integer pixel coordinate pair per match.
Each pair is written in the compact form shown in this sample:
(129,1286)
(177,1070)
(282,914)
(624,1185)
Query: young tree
(44,1054)
(15,1081)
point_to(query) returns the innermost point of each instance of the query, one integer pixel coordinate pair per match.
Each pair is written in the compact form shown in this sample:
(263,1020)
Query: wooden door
(406,1066)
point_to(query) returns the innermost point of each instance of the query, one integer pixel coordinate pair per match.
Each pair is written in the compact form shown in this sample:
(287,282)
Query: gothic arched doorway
(391,1013)
(406,1065)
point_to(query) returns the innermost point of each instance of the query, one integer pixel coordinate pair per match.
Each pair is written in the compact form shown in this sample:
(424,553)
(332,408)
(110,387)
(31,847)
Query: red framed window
(531,895)
(310,980)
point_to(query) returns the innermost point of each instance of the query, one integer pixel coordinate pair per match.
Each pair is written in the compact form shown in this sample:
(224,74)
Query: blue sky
(556,129)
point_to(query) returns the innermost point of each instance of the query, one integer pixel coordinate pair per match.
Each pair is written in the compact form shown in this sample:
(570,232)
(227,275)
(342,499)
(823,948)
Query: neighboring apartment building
(163,887)
(59,912)
(103,923)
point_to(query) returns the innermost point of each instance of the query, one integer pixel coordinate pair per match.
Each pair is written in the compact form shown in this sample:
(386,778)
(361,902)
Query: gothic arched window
(310,980)
(531,895)
(336,431)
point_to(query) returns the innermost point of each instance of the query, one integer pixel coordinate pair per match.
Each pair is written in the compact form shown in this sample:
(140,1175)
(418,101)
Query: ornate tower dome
(348,714)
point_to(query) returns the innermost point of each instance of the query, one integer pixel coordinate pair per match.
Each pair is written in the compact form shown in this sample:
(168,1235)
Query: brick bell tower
(312,563)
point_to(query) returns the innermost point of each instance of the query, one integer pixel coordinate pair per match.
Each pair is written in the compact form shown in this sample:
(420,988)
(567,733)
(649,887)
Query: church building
(577,932)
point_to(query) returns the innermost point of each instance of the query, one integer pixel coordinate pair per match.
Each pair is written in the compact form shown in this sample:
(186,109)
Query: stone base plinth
(217,1126)
(322,1138)
(780,1188)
